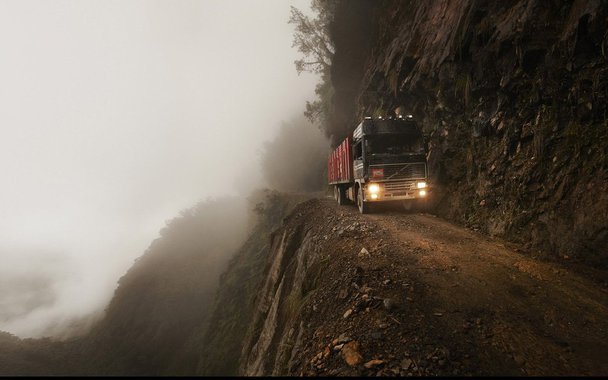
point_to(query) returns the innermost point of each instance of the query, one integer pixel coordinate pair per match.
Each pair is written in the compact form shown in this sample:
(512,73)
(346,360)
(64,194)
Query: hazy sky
(115,115)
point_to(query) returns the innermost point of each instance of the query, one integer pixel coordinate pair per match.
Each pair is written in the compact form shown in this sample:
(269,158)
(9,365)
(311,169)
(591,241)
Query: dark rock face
(351,33)
(513,95)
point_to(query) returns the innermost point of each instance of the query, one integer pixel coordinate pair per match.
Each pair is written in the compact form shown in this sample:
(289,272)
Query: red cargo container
(340,163)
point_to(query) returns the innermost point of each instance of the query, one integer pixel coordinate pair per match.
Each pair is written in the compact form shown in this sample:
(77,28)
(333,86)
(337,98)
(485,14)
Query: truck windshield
(395,144)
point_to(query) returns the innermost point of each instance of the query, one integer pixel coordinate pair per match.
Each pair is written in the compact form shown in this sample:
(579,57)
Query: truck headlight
(421,185)
(422,193)
(374,188)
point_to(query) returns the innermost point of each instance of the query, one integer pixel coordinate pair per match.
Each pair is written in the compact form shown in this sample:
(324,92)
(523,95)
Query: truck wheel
(341,194)
(364,207)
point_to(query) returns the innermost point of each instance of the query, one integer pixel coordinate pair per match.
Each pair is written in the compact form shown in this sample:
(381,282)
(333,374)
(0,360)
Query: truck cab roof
(386,126)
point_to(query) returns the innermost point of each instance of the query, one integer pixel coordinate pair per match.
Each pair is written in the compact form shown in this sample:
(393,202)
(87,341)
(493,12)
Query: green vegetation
(312,38)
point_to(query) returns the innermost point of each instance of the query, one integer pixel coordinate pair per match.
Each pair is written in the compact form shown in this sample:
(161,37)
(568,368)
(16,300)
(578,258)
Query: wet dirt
(427,297)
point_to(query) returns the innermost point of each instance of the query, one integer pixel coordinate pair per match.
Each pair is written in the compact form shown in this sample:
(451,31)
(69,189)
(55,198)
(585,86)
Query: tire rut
(546,318)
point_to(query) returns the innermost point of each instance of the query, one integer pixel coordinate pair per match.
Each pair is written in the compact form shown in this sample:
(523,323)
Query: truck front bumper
(395,191)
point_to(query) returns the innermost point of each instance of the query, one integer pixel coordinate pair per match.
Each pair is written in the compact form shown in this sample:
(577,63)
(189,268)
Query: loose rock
(364,253)
(373,363)
(351,354)
(343,338)
(406,363)
(388,304)
(326,352)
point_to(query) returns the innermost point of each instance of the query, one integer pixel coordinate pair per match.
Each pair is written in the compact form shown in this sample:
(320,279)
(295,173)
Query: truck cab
(388,158)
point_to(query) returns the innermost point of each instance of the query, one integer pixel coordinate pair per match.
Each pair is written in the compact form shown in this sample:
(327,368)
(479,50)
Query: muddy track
(545,316)
(495,310)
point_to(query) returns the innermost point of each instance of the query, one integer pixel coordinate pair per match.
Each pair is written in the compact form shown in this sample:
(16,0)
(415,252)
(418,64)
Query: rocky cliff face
(245,291)
(513,96)
(275,331)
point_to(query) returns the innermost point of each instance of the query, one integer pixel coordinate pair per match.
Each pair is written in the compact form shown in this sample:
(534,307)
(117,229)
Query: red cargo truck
(382,160)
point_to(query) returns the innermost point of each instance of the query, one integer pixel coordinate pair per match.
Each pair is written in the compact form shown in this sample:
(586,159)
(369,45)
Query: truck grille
(399,187)
(394,172)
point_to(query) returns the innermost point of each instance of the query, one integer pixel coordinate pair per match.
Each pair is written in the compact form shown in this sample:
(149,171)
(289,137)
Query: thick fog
(114,116)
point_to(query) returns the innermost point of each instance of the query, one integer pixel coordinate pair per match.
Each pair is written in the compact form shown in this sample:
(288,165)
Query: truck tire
(364,207)
(341,195)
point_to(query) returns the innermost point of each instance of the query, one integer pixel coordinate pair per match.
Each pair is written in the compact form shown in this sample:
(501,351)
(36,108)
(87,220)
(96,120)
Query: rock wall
(513,97)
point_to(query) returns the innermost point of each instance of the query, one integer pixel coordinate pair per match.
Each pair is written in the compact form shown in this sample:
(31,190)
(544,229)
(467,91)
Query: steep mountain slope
(220,345)
(33,357)
(513,96)
(168,293)
(165,297)
(165,316)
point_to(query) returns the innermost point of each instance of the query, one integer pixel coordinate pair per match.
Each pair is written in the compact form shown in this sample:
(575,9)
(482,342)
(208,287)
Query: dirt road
(459,303)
